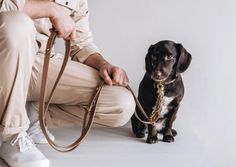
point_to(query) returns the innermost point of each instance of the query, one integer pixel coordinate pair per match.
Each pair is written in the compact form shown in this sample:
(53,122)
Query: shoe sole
(40,163)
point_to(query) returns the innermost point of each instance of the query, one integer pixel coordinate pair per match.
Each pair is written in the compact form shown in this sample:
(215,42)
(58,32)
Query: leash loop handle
(43,105)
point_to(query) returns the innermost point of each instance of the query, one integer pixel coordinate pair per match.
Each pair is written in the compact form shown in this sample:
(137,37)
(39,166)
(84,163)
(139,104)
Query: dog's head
(165,59)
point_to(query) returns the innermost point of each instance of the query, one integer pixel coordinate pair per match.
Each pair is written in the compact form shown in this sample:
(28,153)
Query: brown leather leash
(90,113)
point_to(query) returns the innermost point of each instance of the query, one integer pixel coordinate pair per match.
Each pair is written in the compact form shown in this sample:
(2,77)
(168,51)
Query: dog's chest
(165,102)
(164,110)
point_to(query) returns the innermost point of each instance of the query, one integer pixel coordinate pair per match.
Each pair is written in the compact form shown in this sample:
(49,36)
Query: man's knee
(14,26)
(125,107)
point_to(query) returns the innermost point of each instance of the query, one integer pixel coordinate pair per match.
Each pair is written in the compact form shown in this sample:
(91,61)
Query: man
(24,30)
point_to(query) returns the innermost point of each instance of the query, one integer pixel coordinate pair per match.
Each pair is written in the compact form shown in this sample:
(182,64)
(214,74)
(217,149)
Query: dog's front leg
(168,135)
(152,134)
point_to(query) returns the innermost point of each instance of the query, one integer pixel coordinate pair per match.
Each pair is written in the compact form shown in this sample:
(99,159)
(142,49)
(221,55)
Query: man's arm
(85,51)
(62,22)
(39,9)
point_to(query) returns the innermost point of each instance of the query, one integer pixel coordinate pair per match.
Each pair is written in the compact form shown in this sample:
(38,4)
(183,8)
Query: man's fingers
(67,36)
(126,80)
(119,76)
(70,35)
(67,31)
(121,81)
(106,77)
(73,34)
(116,77)
(63,23)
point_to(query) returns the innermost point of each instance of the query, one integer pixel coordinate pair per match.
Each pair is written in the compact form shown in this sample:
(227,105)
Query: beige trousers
(20,77)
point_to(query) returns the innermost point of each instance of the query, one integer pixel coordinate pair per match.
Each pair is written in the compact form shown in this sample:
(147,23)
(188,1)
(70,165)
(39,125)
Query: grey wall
(124,29)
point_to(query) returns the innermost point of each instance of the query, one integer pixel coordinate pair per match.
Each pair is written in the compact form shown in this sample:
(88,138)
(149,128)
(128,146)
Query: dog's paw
(139,134)
(139,130)
(168,138)
(174,132)
(152,139)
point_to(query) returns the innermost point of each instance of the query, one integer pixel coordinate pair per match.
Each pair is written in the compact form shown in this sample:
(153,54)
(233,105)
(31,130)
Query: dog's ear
(184,59)
(148,59)
(150,49)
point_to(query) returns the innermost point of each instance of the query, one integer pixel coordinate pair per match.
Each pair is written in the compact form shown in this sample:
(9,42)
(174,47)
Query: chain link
(158,106)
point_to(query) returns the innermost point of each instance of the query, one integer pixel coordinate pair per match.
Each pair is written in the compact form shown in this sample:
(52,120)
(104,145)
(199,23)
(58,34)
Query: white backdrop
(124,29)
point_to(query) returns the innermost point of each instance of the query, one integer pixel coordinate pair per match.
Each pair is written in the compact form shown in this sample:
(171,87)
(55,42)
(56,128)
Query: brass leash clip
(160,89)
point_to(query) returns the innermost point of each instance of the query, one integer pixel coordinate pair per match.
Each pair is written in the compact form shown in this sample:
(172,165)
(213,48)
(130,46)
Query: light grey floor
(116,147)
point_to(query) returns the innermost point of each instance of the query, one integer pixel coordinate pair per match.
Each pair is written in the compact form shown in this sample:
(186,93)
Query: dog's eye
(169,57)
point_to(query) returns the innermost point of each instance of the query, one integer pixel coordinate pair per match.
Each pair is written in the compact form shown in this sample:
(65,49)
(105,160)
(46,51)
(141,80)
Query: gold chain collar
(158,106)
(160,94)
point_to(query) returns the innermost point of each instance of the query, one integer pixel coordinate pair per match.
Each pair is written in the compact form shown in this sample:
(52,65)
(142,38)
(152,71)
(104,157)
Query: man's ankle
(6,137)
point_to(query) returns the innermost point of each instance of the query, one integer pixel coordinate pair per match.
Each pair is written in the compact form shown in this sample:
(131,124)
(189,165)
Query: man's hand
(63,23)
(59,17)
(113,75)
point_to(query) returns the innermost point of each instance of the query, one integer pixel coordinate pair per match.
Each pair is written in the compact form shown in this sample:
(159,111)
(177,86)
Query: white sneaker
(21,152)
(35,131)
(36,134)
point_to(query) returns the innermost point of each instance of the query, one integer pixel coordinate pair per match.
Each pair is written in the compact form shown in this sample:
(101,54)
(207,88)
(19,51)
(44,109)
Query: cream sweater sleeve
(83,46)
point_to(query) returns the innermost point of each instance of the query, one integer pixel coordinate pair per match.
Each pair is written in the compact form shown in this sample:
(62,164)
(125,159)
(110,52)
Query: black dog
(164,62)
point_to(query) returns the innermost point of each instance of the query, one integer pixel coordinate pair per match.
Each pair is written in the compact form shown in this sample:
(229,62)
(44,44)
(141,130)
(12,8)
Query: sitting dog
(165,61)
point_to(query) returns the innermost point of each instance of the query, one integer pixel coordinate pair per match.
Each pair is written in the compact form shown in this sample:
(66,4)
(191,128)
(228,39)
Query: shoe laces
(23,142)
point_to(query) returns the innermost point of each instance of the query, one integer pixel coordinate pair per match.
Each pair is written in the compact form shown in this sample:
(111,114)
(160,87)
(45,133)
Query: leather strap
(90,113)
(43,105)
(147,119)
